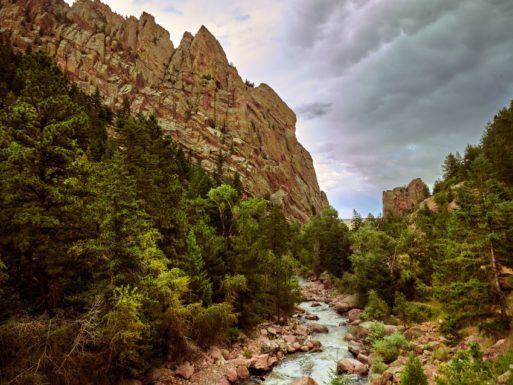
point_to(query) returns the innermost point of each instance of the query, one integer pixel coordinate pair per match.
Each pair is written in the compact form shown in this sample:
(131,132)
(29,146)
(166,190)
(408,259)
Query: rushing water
(318,365)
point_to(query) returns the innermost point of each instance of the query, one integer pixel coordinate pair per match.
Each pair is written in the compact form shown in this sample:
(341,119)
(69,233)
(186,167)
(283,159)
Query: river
(319,365)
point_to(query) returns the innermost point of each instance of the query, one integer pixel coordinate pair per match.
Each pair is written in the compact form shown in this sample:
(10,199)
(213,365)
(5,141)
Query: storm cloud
(313,110)
(409,81)
(383,89)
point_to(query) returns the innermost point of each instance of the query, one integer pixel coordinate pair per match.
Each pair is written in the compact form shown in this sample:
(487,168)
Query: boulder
(504,378)
(224,381)
(312,317)
(304,381)
(316,345)
(351,366)
(318,328)
(290,338)
(242,373)
(185,371)
(340,308)
(354,314)
(231,375)
(161,375)
(263,362)
(362,330)
(355,347)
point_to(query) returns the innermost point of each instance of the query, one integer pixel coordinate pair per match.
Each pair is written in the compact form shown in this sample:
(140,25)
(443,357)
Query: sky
(383,89)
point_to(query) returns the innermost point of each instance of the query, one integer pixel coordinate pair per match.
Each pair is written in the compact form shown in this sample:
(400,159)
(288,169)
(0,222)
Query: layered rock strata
(197,95)
(401,199)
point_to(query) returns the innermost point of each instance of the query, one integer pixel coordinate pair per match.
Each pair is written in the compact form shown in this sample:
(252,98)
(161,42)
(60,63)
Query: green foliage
(466,368)
(339,379)
(212,324)
(390,346)
(413,372)
(441,353)
(376,332)
(376,308)
(411,312)
(120,252)
(200,282)
(125,330)
(326,242)
(378,366)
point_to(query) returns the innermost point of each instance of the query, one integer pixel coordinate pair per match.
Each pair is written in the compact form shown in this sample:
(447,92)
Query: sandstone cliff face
(401,199)
(199,98)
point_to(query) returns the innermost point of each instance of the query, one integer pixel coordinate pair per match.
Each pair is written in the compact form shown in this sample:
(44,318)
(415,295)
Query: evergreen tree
(200,282)
(356,221)
(413,373)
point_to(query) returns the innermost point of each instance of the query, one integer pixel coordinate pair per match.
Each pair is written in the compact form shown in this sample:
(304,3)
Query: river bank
(316,330)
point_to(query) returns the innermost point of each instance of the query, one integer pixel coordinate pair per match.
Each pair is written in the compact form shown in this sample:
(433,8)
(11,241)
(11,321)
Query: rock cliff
(401,199)
(197,95)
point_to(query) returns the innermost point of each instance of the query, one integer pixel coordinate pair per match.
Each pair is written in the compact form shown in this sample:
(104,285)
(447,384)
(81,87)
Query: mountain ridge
(198,97)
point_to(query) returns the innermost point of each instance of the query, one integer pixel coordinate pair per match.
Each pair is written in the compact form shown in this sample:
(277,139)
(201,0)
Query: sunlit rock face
(197,95)
(401,199)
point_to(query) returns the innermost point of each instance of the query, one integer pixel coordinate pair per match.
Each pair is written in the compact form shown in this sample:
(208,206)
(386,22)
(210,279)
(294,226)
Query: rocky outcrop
(401,199)
(198,96)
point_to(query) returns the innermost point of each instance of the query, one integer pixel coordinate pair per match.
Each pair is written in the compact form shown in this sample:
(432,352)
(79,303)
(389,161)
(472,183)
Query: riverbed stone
(304,381)
(351,366)
(242,373)
(354,314)
(231,375)
(185,371)
(355,347)
(318,328)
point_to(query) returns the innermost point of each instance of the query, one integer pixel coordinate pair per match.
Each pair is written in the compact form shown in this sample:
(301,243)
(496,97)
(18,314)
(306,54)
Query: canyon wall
(197,95)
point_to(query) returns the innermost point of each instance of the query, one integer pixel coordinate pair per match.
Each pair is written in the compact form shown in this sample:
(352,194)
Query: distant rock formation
(197,95)
(401,199)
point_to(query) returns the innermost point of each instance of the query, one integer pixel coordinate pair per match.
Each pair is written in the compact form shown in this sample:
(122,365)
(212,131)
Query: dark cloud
(313,110)
(409,80)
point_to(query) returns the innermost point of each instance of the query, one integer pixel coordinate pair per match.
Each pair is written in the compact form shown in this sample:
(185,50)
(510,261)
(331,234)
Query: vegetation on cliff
(118,251)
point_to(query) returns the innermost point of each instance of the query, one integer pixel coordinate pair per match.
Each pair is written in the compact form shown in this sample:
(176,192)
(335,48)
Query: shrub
(125,329)
(466,368)
(248,354)
(376,332)
(211,324)
(376,308)
(378,366)
(389,347)
(337,379)
(441,354)
(413,372)
(411,312)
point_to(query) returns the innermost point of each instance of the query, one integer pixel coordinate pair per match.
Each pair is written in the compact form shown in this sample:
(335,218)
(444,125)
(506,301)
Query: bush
(125,330)
(212,324)
(376,332)
(411,312)
(441,354)
(378,366)
(413,372)
(466,368)
(337,379)
(376,308)
(389,347)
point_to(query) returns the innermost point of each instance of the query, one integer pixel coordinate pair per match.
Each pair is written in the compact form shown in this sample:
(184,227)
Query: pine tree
(200,282)
(357,221)
(413,373)
(43,188)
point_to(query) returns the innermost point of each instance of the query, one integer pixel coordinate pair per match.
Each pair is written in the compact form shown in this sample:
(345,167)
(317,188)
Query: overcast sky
(383,89)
